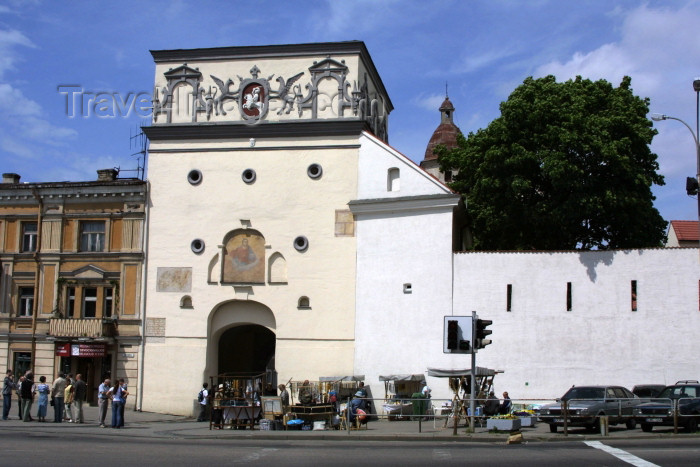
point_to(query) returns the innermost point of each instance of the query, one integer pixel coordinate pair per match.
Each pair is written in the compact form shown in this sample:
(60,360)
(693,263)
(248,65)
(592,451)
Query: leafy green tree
(566,166)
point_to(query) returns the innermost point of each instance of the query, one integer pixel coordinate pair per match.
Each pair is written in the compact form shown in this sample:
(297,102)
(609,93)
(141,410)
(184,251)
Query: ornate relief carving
(253,95)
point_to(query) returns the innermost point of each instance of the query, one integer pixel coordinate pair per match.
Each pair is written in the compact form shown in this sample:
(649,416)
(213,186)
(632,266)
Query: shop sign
(81,350)
(63,350)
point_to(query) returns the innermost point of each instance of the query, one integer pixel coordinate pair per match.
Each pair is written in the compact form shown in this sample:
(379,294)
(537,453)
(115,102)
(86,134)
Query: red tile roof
(686,230)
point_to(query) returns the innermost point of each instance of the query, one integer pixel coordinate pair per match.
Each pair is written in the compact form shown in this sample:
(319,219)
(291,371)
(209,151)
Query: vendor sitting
(492,405)
(357,407)
(306,396)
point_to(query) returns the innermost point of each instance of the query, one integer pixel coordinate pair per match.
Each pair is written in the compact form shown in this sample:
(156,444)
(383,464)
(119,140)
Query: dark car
(587,403)
(646,391)
(659,411)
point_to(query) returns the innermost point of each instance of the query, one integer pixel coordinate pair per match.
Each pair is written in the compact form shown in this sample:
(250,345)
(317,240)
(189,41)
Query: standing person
(58,389)
(42,404)
(117,402)
(506,405)
(18,387)
(27,390)
(68,401)
(426,390)
(68,417)
(203,398)
(284,395)
(103,401)
(7,388)
(125,393)
(79,394)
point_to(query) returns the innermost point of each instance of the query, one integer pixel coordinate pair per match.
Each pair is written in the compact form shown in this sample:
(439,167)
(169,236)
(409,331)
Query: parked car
(646,391)
(659,411)
(587,403)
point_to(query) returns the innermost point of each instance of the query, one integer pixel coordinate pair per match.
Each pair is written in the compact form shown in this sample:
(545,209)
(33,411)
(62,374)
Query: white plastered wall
(403,242)
(545,349)
(283,203)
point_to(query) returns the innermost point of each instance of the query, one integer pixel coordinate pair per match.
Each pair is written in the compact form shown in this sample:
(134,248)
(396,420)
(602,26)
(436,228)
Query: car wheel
(692,425)
(646,428)
(552,428)
(595,427)
(631,424)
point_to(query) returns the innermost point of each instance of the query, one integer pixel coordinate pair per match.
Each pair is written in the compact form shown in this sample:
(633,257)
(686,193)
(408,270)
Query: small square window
(92,236)
(26,301)
(29,236)
(70,302)
(89,302)
(108,302)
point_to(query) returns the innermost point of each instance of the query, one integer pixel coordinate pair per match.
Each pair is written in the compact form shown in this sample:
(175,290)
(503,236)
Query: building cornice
(405,203)
(188,131)
(275,51)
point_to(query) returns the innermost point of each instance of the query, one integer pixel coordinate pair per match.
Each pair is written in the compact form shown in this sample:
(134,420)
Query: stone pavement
(154,425)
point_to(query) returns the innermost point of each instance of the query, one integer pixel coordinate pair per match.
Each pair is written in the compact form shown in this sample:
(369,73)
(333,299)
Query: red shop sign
(63,350)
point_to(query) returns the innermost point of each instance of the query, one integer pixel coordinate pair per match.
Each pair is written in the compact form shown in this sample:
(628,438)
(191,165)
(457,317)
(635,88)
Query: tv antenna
(139,142)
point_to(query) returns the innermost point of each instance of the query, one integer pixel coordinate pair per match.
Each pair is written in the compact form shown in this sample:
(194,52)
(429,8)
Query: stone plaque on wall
(174,280)
(155,330)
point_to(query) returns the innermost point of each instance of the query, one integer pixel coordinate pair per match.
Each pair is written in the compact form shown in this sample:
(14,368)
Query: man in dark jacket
(79,394)
(27,392)
(7,388)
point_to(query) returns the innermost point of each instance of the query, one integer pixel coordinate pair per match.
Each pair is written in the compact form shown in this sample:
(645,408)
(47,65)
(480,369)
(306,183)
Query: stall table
(314,412)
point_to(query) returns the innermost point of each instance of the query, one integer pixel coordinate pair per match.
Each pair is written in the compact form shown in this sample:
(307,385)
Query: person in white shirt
(203,398)
(103,401)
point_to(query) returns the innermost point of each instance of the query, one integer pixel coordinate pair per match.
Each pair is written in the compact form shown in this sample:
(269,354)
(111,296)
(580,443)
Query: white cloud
(473,62)
(9,39)
(430,102)
(14,104)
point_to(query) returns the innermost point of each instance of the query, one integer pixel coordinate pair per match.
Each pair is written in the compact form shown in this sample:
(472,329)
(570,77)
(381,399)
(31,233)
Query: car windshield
(675,392)
(584,393)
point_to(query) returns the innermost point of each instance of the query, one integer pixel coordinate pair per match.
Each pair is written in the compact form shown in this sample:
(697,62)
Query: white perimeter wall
(545,349)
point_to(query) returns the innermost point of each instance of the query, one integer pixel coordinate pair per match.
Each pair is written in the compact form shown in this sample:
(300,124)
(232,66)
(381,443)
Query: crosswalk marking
(620,454)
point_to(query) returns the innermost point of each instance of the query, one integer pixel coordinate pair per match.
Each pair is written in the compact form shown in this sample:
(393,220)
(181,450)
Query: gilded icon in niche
(245,259)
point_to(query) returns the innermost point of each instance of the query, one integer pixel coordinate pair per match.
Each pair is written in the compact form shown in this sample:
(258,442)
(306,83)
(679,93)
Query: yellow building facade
(71,258)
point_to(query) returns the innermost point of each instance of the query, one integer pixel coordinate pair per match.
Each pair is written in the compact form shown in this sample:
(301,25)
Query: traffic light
(457,334)
(452,334)
(691,186)
(482,332)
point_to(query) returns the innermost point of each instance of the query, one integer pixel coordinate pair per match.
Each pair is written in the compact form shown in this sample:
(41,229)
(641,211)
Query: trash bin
(419,405)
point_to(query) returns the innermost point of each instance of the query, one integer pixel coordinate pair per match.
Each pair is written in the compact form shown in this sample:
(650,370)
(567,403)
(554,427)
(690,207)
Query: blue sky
(483,49)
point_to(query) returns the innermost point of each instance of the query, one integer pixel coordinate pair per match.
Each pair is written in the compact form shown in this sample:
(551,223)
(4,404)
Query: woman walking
(43,389)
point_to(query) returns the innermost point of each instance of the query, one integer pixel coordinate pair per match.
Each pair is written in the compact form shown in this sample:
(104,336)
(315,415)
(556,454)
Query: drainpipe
(37,276)
(144,272)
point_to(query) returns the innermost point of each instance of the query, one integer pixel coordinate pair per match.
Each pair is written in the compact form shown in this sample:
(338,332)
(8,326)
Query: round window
(314,171)
(248,175)
(301,243)
(197,245)
(194,177)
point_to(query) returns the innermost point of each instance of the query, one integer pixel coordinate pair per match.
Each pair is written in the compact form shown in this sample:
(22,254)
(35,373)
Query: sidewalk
(154,425)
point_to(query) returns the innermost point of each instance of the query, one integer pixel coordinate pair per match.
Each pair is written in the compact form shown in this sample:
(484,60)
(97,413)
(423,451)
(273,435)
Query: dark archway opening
(248,348)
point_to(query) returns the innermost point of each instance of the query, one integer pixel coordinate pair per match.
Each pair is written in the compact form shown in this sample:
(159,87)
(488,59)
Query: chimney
(10,179)
(107,175)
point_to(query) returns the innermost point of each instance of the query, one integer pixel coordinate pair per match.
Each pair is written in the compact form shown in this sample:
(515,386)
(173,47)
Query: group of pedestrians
(66,395)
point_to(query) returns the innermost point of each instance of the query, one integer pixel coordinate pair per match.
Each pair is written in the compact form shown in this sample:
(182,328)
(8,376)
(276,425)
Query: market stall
(460,383)
(236,401)
(398,393)
(311,402)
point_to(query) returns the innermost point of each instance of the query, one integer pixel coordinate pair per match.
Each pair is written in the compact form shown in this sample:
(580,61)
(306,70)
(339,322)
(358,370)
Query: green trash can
(419,405)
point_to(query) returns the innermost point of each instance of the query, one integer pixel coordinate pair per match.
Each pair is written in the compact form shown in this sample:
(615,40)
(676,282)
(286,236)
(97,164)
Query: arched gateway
(241,338)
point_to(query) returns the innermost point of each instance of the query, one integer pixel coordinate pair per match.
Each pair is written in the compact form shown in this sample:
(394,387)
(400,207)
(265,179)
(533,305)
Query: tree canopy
(566,166)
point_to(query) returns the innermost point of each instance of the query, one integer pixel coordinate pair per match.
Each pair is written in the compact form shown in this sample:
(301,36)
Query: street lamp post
(658,118)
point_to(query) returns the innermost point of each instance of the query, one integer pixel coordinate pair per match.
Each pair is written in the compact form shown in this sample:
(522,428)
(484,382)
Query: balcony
(90,327)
